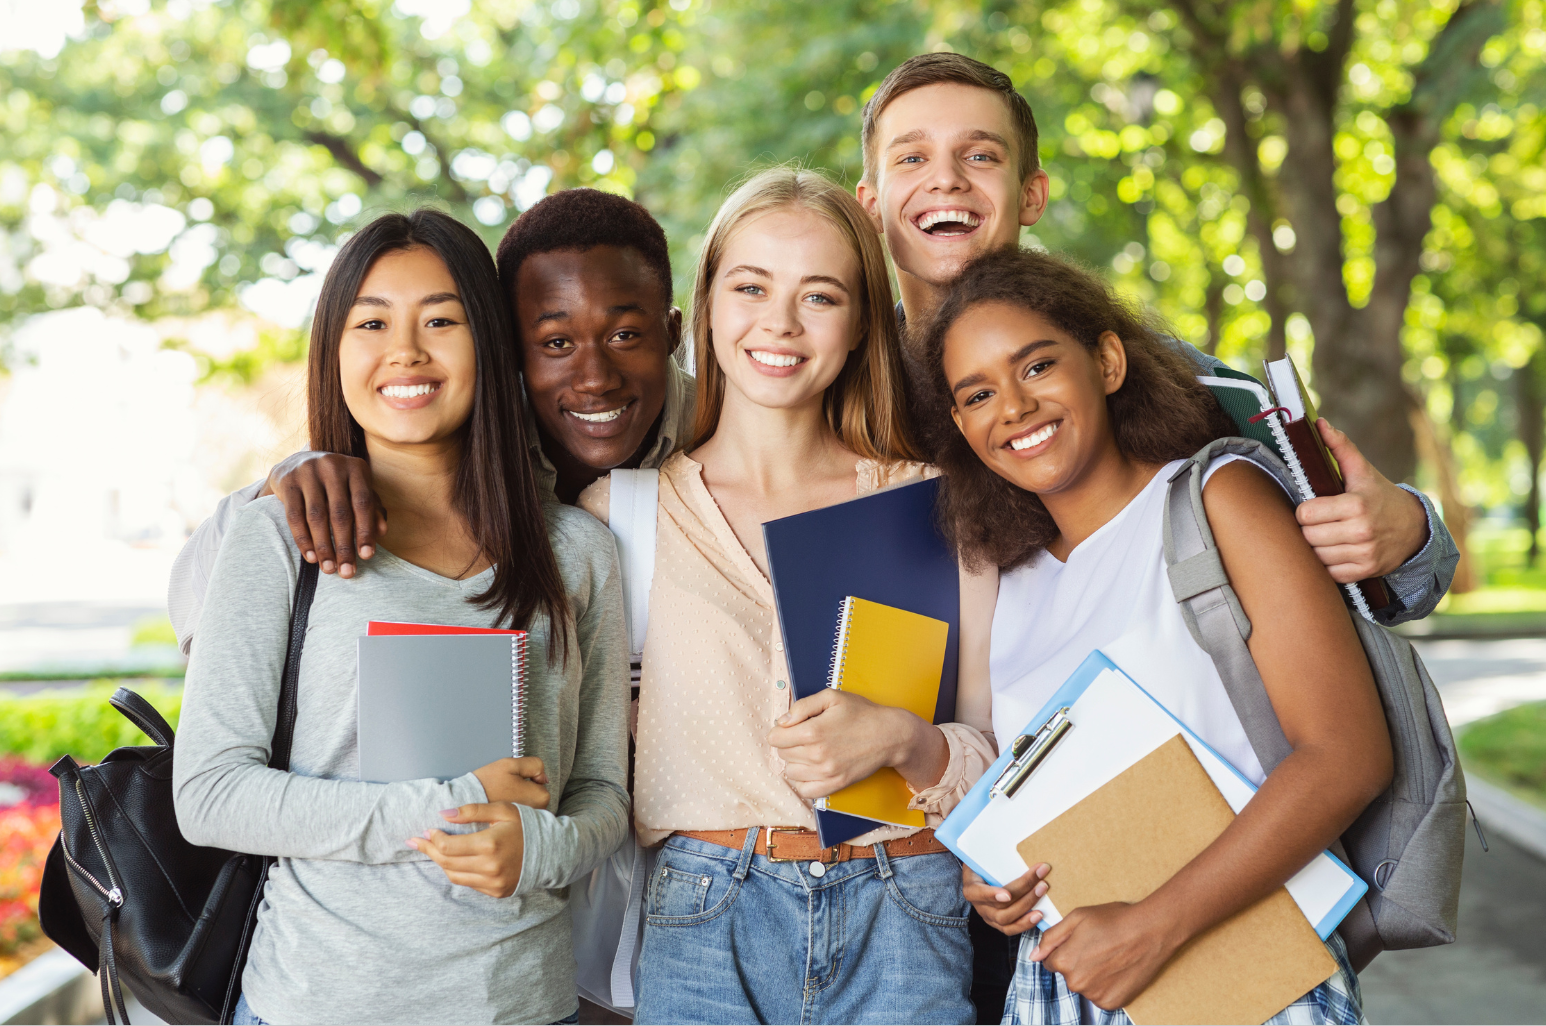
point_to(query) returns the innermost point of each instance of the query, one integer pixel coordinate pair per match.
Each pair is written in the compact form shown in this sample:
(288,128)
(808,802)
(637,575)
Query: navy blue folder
(883,547)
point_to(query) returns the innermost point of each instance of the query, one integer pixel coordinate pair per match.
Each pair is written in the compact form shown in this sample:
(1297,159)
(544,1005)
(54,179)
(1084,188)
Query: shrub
(43,726)
(1510,748)
(27,831)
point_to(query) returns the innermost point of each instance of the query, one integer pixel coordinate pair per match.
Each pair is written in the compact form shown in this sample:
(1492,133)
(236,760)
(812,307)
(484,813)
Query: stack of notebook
(1284,419)
(438,701)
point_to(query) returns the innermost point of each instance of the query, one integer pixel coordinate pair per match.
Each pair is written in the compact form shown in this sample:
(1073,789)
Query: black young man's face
(596,334)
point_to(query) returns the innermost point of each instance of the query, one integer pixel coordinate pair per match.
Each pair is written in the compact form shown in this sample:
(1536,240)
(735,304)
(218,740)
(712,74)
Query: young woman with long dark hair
(1069,415)
(379,909)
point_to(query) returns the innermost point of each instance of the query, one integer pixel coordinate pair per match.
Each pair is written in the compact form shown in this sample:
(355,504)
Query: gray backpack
(1408,845)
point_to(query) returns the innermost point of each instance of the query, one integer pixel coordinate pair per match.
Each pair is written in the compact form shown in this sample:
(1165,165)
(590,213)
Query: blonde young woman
(800,386)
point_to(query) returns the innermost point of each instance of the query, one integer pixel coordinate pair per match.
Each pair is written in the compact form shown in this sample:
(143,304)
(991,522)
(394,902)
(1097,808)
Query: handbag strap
(300,614)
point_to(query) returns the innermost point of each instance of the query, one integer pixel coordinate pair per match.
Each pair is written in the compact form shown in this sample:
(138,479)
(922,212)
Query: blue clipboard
(978,798)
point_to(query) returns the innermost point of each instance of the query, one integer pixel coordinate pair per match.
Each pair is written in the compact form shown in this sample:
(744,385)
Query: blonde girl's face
(786,308)
(406,358)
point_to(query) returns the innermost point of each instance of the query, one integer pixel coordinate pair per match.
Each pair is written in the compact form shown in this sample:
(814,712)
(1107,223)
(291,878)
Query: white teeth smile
(934,217)
(604,417)
(408,391)
(1035,437)
(774,359)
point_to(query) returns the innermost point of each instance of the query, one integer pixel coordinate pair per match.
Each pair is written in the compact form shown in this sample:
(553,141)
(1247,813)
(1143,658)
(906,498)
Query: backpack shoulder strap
(1209,605)
(631,514)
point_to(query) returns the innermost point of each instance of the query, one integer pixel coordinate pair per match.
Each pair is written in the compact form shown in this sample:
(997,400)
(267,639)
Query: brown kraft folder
(1136,832)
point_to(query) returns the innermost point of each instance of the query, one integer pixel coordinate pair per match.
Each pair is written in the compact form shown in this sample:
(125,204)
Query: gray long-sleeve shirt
(355,925)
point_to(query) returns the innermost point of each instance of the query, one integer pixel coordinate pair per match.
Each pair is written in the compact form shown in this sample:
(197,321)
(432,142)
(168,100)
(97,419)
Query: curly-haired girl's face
(1029,398)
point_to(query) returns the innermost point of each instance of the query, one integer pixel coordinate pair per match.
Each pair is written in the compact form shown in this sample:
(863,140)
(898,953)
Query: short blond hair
(866,405)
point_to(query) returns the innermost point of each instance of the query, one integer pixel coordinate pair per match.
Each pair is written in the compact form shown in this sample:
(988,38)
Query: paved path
(1495,972)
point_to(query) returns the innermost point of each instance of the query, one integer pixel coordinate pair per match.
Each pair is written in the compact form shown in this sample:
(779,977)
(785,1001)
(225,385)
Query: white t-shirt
(1113,594)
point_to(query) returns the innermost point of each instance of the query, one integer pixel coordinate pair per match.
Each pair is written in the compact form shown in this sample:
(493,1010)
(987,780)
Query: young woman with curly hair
(1066,416)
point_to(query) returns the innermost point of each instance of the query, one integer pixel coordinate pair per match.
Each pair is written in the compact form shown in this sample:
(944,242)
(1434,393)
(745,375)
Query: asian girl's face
(786,308)
(406,358)
(1028,397)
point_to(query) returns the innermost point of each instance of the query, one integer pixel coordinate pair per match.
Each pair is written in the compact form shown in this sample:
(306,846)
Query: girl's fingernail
(1002,895)
(327,566)
(426,835)
(366,551)
(449,813)
(311,557)
(413,842)
(1041,889)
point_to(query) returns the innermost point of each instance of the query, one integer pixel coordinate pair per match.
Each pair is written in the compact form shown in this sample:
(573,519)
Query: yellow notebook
(896,658)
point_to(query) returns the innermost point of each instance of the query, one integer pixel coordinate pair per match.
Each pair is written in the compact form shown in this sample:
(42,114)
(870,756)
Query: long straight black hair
(496,487)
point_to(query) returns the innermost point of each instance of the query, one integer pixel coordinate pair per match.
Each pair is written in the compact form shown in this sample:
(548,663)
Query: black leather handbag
(129,897)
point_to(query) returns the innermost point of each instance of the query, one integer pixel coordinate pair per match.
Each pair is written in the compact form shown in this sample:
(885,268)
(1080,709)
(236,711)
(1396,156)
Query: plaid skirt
(1038,995)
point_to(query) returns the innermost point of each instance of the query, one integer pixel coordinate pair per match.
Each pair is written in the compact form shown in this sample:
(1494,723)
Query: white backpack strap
(631,515)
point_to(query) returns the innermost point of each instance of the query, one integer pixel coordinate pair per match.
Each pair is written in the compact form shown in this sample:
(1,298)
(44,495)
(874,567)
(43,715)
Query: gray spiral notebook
(439,705)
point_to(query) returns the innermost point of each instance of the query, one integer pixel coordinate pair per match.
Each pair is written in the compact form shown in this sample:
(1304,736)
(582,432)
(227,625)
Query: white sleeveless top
(1113,594)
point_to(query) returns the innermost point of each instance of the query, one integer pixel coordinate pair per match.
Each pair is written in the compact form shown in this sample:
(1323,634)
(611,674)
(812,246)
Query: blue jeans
(731,937)
(244,1016)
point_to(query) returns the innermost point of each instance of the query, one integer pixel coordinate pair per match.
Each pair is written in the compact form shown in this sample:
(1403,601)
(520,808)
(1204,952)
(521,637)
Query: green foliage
(1510,748)
(259,132)
(42,727)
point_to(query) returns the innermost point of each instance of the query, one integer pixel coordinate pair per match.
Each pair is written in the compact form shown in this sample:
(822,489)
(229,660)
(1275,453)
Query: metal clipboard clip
(1028,751)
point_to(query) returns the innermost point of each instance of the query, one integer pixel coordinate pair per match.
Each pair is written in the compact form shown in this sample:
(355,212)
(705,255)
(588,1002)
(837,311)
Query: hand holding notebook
(895,658)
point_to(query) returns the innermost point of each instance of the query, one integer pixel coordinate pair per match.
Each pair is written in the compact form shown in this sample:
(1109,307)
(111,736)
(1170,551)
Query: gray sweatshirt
(355,925)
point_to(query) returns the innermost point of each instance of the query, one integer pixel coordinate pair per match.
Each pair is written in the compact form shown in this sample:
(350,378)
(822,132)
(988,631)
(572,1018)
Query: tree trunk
(1358,352)
(1437,454)
(1213,307)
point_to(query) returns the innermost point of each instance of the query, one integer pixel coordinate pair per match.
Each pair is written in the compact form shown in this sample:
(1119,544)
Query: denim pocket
(928,888)
(675,893)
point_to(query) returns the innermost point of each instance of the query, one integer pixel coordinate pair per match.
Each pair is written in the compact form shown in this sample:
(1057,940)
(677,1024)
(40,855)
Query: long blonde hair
(866,404)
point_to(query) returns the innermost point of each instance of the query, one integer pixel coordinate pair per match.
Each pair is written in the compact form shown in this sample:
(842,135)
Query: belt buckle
(772,847)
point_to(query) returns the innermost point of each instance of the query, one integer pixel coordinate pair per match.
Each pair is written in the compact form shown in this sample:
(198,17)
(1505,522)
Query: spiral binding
(518,694)
(840,642)
(1302,482)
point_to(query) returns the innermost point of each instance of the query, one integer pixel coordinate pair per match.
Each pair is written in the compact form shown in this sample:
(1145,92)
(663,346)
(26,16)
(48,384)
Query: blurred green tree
(1355,182)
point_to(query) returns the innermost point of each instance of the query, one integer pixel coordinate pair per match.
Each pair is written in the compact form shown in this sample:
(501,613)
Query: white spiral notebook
(439,705)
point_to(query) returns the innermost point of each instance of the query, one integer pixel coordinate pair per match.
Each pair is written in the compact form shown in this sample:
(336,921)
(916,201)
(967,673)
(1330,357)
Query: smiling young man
(951,171)
(589,279)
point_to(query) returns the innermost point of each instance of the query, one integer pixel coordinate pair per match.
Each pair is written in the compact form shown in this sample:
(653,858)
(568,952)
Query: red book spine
(1325,478)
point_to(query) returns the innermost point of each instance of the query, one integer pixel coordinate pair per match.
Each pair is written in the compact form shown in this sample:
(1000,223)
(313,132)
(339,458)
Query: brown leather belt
(796,844)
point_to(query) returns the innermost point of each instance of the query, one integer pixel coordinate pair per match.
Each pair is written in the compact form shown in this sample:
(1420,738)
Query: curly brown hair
(1160,413)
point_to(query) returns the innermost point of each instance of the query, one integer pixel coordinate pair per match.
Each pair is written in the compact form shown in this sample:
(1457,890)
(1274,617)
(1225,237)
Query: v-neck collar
(714,518)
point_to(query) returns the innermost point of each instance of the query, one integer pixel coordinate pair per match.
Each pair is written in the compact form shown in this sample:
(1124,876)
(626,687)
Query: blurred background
(1360,184)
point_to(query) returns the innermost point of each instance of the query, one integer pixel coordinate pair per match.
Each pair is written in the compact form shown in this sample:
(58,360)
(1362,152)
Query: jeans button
(818,870)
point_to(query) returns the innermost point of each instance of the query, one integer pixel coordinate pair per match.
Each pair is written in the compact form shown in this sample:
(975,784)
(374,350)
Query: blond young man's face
(947,186)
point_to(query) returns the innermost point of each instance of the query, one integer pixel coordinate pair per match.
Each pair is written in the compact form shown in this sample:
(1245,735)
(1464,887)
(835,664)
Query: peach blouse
(715,678)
